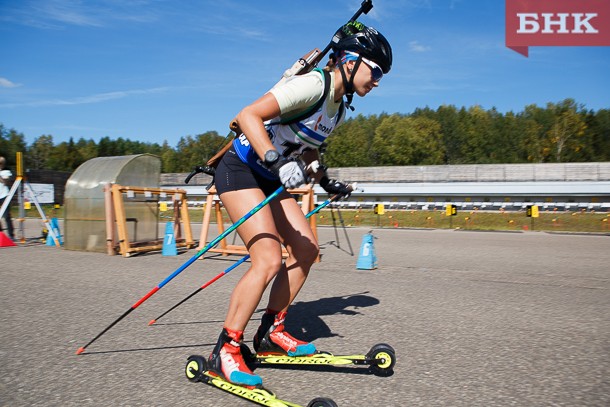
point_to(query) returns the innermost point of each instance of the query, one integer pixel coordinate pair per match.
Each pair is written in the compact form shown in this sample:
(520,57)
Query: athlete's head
(354,45)
(356,38)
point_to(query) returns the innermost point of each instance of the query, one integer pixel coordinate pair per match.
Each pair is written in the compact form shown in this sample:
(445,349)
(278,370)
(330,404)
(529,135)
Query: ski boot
(272,338)
(227,361)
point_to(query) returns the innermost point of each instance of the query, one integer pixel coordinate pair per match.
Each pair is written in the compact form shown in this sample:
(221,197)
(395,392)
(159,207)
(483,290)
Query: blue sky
(155,70)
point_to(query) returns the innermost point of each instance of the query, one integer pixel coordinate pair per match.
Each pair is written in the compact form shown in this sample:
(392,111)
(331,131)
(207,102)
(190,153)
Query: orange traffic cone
(5,241)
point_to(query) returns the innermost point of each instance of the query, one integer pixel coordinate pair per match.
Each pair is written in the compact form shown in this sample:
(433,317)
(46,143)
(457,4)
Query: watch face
(271,156)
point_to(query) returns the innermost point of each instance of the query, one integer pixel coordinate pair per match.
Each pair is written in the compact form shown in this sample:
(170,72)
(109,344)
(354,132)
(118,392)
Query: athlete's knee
(268,266)
(306,254)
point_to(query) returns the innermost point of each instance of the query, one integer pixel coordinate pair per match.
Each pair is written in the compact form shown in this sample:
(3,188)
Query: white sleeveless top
(293,96)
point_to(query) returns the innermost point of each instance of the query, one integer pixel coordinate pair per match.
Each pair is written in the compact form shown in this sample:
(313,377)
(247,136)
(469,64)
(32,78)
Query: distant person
(5,176)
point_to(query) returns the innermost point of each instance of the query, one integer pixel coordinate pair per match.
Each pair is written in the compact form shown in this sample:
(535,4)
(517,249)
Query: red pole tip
(80,350)
(152,321)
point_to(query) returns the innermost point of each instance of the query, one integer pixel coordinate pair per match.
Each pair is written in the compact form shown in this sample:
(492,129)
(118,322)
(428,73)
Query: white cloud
(5,83)
(69,13)
(56,14)
(415,46)
(97,98)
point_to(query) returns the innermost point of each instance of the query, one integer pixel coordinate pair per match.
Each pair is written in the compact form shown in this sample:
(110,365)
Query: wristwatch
(271,157)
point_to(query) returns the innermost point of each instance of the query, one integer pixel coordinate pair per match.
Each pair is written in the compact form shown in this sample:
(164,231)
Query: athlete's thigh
(291,224)
(260,229)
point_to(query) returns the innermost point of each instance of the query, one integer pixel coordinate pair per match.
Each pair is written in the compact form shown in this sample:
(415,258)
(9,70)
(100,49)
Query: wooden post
(184,213)
(207,213)
(121,220)
(110,221)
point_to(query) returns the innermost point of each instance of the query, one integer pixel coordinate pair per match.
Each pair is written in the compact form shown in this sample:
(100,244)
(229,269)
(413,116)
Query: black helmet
(364,41)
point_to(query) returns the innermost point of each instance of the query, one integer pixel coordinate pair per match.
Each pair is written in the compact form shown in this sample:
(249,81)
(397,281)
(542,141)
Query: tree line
(559,132)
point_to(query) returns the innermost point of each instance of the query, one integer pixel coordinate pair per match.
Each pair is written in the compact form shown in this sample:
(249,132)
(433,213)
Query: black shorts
(232,174)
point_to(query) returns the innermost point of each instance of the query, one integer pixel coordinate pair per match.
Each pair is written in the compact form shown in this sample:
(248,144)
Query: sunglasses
(376,71)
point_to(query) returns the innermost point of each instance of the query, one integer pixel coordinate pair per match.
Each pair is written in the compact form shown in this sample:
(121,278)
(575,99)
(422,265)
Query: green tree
(169,158)
(87,149)
(508,141)
(536,122)
(448,119)
(64,157)
(475,146)
(106,147)
(40,151)
(598,129)
(401,140)
(11,143)
(558,132)
(565,137)
(350,145)
(192,151)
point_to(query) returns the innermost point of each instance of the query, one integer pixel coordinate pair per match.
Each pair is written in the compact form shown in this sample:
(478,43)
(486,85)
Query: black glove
(334,187)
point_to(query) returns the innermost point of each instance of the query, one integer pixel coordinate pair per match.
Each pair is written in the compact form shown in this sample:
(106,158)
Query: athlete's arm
(296,94)
(250,121)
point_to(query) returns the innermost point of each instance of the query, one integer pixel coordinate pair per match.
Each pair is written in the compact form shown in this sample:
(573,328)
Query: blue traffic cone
(169,242)
(54,225)
(367,259)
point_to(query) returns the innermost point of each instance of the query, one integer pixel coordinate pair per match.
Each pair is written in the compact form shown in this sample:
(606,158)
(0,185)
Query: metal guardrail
(477,173)
(568,186)
(599,171)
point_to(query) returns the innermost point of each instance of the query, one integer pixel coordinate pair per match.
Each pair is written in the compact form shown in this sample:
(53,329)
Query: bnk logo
(556,23)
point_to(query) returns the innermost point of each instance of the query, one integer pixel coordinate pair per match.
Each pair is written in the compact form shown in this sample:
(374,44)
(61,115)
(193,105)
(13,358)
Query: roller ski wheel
(197,371)
(383,358)
(195,367)
(322,402)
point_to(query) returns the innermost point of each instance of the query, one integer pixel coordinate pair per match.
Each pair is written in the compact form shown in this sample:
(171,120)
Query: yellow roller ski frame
(380,359)
(197,371)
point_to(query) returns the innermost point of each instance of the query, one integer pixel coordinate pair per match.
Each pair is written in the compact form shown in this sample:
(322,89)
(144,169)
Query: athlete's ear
(349,66)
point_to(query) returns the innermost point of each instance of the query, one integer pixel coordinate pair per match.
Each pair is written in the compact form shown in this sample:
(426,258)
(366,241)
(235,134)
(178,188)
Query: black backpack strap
(316,106)
(341,111)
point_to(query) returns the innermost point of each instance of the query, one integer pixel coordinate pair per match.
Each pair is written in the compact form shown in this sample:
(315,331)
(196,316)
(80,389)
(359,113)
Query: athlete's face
(366,77)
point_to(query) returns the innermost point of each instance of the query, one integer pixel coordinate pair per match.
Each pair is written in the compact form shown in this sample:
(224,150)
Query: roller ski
(380,360)
(227,370)
(197,371)
(275,346)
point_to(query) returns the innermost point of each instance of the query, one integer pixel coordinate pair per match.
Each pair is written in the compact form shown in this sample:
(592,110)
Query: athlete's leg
(302,248)
(260,236)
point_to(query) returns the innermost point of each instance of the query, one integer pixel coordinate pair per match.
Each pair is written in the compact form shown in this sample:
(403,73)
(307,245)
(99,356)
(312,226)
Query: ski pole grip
(206,169)
(354,187)
(191,175)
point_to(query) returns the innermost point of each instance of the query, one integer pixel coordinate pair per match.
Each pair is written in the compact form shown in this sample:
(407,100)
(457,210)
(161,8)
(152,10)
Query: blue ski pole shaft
(235,265)
(187,263)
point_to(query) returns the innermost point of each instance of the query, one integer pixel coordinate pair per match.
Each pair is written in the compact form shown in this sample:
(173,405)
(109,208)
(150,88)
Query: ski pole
(187,263)
(235,265)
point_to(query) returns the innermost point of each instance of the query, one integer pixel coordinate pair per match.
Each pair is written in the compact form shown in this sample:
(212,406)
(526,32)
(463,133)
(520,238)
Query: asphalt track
(476,318)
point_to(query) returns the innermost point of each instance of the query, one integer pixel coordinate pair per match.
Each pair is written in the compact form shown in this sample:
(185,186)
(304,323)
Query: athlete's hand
(291,173)
(334,187)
